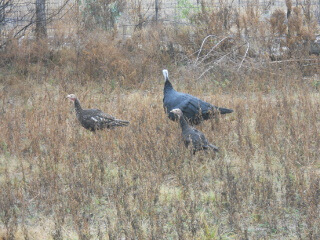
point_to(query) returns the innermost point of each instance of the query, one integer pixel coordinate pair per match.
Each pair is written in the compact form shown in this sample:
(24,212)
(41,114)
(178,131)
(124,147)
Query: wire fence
(15,15)
(178,12)
(19,13)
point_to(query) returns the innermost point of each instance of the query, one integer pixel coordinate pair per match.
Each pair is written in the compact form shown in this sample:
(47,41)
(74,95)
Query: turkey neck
(167,86)
(183,123)
(77,106)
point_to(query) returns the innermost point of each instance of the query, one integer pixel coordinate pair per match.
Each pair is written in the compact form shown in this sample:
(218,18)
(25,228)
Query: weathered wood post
(41,23)
(156,9)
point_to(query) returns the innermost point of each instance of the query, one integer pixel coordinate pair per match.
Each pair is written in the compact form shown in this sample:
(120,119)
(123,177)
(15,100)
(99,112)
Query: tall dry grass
(60,181)
(140,181)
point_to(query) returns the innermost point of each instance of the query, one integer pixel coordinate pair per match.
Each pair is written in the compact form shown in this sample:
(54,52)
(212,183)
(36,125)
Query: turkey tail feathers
(120,123)
(216,149)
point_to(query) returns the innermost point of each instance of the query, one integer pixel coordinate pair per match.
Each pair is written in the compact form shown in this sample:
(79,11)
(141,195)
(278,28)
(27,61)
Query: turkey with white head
(193,108)
(95,119)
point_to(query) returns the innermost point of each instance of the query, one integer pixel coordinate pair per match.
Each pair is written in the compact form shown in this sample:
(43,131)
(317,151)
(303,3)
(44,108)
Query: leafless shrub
(101,14)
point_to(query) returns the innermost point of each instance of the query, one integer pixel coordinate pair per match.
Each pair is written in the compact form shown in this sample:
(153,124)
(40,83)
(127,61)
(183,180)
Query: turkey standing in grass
(95,119)
(194,109)
(192,135)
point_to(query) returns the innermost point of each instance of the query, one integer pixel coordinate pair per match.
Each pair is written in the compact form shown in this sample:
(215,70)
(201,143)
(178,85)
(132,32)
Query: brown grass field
(60,181)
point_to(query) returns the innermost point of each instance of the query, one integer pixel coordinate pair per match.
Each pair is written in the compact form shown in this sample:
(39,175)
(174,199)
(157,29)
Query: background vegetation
(59,181)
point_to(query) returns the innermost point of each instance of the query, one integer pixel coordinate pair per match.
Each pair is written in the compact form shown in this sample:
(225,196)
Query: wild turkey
(192,135)
(194,109)
(95,119)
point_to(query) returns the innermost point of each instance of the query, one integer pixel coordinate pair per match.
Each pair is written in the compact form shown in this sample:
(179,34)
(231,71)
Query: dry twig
(244,56)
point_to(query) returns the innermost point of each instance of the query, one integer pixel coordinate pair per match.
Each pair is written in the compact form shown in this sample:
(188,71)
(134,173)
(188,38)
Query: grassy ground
(139,182)
(60,181)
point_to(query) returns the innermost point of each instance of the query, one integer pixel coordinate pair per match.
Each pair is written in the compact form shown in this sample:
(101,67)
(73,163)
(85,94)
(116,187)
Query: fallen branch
(204,40)
(295,60)
(217,62)
(210,50)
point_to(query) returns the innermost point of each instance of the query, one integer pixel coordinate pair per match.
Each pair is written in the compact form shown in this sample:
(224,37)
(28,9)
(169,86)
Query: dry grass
(60,181)
(140,182)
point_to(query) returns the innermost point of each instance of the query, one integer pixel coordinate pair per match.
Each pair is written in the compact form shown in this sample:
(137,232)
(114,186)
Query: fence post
(318,12)
(3,6)
(2,16)
(41,24)
(157,9)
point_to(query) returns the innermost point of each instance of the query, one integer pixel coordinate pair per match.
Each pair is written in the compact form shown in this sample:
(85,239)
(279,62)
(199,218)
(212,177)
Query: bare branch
(204,40)
(219,60)
(33,21)
(210,49)
(244,56)
(294,60)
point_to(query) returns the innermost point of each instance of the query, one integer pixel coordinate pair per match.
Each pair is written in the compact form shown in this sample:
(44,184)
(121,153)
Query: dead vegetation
(60,181)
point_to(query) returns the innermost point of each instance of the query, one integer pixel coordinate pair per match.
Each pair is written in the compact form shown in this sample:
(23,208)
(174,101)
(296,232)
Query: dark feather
(193,108)
(195,137)
(95,119)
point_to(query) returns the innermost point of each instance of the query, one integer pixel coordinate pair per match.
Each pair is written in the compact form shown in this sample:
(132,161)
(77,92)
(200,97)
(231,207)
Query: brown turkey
(192,135)
(95,119)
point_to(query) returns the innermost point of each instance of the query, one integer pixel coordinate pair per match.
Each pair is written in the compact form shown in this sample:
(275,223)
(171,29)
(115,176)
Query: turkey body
(190,135)
(95,119)
(194,109)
